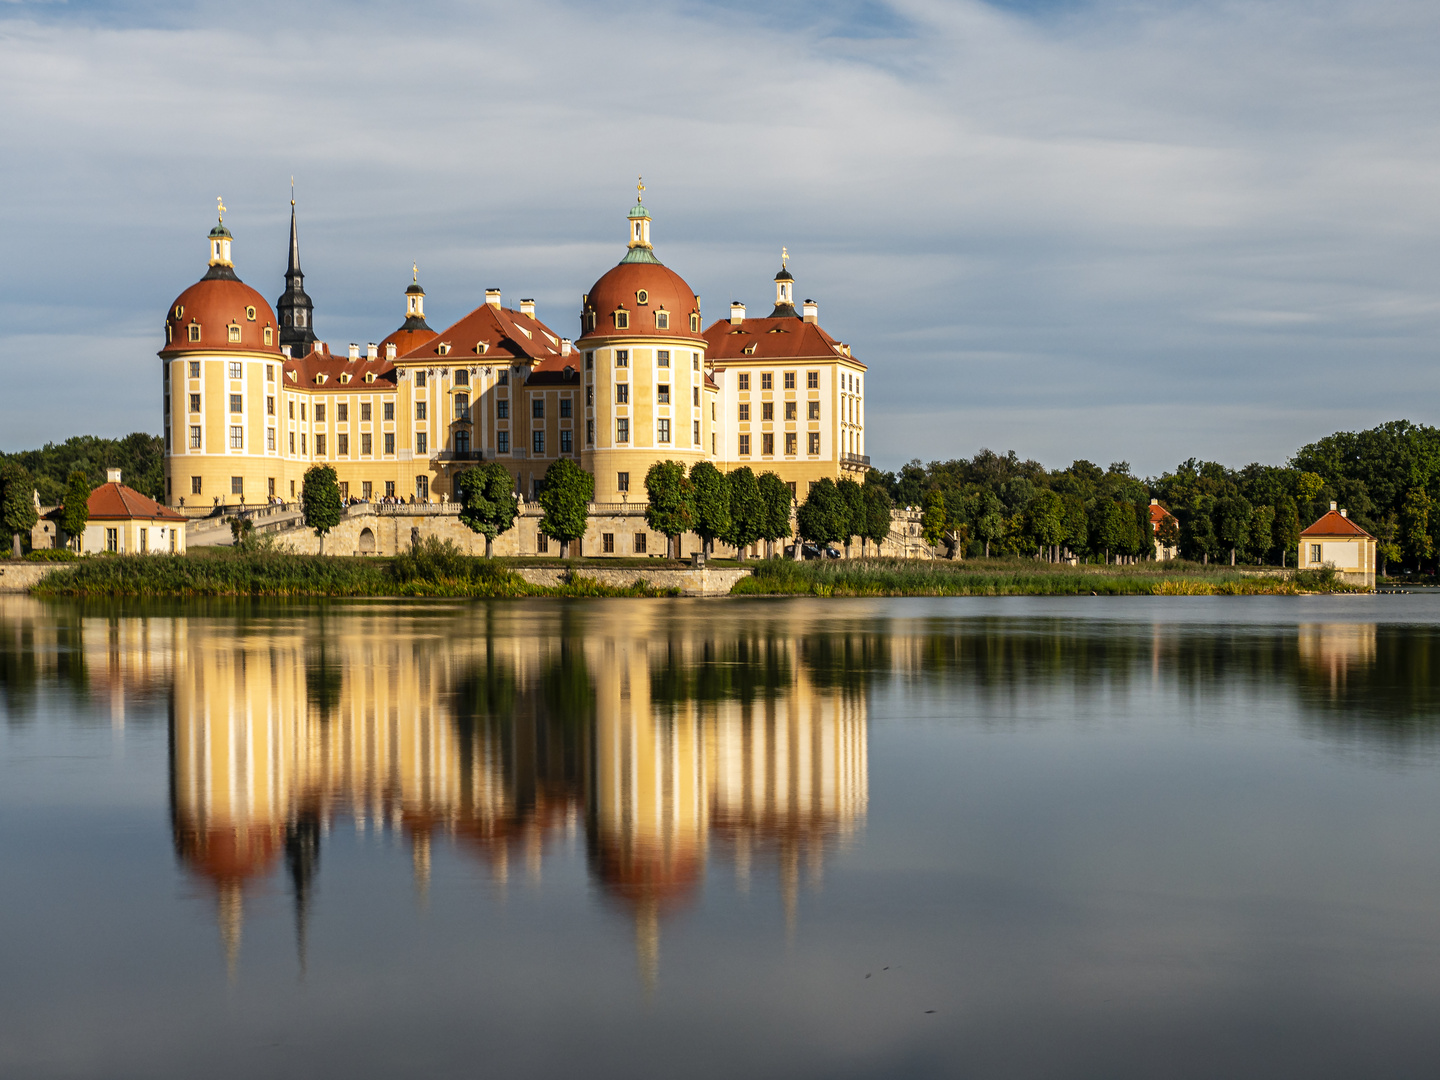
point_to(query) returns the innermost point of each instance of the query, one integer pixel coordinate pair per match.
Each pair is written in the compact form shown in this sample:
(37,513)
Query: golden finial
(415,273)
(220,203)
(784,257)
(292,191)
(639,190)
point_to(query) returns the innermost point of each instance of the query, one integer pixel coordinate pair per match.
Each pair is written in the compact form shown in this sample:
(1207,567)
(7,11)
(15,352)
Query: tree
(320,500)
(1046,522)
(877,517)
(565,498)
(747,510)
(17,502)
(488,503)
(823,515)
(1415,537)
(1197,531)
(1285,532)
(672,503)
(1232,522)
(932,521)
(1387,545)
(712,504)
(1262,532)
(779,501)
(1108,531)
(75,510)
(853,497)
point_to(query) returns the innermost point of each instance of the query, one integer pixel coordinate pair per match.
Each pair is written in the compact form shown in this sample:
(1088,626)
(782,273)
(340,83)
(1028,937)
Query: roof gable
(112,501)
(782,338)
(490,333)
(1334,523)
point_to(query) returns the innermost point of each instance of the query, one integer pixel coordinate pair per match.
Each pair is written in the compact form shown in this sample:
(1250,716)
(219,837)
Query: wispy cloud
(1170,213)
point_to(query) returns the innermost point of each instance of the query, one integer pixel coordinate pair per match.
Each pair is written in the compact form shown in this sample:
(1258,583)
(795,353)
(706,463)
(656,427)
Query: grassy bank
(1020,577)
(435,570)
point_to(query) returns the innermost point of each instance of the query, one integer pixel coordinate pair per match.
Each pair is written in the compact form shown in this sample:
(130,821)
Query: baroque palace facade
(253,398)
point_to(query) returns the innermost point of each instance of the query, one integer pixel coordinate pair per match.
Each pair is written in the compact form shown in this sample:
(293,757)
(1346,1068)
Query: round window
(179,310)
(250,313)
(642,296)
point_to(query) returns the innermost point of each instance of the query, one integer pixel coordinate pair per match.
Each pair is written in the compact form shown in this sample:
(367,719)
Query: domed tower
(297,311)
(414,331)
(784,290)
(221,365)
(647,397)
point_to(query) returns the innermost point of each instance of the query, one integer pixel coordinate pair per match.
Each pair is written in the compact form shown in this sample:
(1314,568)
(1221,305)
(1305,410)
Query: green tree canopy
(320,501)
(488,503)
(1415,539)
(853,496)
(75,510)
(778,503)
(877,515)
(934,519)
(747,510)
(712,503)
(823,516)
(1232,522)
(565,499)
(672,503)
(17,502)
(139,456)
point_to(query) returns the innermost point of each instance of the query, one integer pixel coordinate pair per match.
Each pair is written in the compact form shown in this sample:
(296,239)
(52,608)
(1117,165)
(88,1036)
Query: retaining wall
(19,577)
(691,582)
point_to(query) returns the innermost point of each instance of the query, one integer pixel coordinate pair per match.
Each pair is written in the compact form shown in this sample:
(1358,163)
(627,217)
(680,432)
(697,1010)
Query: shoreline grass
(1017,577)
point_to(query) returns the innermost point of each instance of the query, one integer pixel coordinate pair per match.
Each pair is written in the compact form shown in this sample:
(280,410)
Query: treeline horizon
(1386,477)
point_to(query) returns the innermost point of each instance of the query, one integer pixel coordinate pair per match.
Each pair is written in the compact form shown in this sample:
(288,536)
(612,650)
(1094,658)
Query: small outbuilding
(1158,517)
(1336,541)
(121,520)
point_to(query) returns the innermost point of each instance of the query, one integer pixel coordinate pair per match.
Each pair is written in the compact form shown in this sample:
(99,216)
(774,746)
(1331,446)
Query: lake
(1008,837)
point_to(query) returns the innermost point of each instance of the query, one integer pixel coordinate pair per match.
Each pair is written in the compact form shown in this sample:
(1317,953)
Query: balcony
(854,461)
(457,455)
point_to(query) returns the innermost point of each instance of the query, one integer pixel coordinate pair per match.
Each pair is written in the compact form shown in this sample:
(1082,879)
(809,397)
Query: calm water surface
(989,838)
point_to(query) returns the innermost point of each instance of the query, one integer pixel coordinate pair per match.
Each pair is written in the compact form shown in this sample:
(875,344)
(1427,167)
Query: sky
(1106,229)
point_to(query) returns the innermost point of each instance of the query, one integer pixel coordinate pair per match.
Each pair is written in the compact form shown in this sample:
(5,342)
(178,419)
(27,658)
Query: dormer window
(443,348)
(234,332)
(589,320)
(369,376)
(622,320)
(194,329)
(642,297)
(750,349)
(320,379)
(662,320)
(481,348)
(694,324)
(250,313)
(269,336)
(344,378)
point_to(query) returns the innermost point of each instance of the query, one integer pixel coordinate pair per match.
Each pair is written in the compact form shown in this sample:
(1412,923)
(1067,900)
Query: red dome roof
(214,305)
(620,289)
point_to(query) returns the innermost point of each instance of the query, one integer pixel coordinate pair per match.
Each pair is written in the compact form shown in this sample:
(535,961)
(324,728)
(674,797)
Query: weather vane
(415,273)
(640,189)
(220,203)
(784,257)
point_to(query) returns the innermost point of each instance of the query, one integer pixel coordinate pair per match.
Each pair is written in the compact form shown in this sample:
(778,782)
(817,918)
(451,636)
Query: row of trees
(139,456)
(18,514)
(737,508)
(839,511)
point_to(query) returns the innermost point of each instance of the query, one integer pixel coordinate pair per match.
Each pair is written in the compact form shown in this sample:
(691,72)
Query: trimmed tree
(75,509)
(778,500)
(672,503)
(488,503)
(1232,522)
(747,510)
(565,497)
(854,498)
(320,500)
(1285,532)
(823,516)
(712,503)
(932,521)
(877,517)
(17,503)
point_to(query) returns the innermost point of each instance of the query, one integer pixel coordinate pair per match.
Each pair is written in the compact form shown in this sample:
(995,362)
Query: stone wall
(19,577)
(706,581)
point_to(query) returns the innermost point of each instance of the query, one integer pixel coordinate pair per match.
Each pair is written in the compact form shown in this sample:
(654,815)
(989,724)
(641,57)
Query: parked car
(812,551)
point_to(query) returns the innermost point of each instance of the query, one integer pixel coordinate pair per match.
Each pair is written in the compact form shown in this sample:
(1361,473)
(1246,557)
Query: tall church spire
(294,308)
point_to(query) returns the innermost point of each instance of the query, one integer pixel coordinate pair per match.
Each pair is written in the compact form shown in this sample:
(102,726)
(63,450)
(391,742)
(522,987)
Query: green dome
(639,211)
(220,230)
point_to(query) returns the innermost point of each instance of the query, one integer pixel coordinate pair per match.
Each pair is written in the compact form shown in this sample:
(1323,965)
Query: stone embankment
(701,581)
(19,577)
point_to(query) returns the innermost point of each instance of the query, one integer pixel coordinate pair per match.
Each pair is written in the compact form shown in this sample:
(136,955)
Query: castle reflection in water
(666,748)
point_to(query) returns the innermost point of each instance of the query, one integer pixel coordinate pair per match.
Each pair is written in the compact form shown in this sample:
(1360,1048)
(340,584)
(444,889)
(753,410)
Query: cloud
(1066,211)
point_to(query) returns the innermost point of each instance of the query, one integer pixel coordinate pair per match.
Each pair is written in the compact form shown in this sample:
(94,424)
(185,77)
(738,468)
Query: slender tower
(294,307)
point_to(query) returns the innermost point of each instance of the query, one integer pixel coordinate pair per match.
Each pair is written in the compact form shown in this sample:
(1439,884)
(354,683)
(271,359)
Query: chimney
(527,307)
(112,476)
(811,311)
(390,351)
(565,346)
(1154,502)
(1332,506)
(492,297)
(286,350)
(1345,513)
(737,312)
(372,351)
(354,351)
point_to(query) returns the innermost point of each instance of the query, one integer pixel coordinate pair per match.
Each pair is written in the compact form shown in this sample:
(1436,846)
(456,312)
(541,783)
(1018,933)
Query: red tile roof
(1333,523)
(111,502)
(782,338)
(1158,514)
(507,336)
(302,372)
(215,305)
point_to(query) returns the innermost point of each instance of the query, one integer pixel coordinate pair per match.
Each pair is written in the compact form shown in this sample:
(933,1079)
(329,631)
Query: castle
(253,398)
